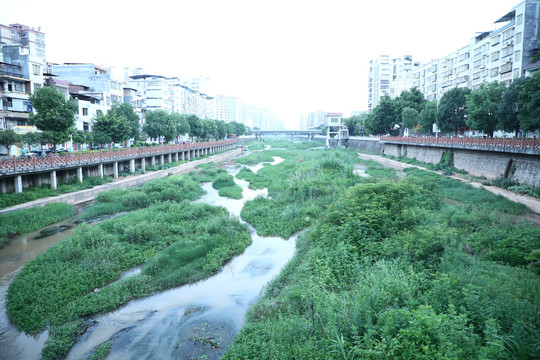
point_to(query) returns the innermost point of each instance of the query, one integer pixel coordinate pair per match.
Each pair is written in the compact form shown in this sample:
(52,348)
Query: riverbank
(123,183)
(529,201)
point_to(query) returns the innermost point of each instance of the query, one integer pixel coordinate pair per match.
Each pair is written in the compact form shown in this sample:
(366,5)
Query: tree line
(54,116)
(491,107)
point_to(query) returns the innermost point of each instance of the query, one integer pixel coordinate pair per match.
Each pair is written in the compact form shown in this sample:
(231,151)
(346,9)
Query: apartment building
(18,34)
(228,109)
(100,82)
(312,120)
(499,55)
(156,92)
(389,76)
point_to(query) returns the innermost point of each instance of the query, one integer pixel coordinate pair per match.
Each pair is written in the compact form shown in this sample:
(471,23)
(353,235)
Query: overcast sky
(291,56)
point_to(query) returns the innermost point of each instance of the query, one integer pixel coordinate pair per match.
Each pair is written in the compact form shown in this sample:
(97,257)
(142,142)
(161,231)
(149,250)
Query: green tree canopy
(382,119)
(209,129)
(409,117)
(507,110)
(181,123)
(413,99)
(54,113)
(452,110)
(427,117)
(221,129)
(110,128)
(8,138)
(529,104)
(160,124)
(126,111)
(195,126)
(482,105)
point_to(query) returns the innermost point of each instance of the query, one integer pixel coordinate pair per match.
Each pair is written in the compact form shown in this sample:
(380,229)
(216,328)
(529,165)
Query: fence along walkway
(16,166)
(514,143)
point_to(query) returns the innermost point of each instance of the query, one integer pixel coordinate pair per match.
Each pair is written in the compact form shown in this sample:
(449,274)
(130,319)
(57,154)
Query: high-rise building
(499,55)
(389,77)
(228,108)
(312,120)
(156,91)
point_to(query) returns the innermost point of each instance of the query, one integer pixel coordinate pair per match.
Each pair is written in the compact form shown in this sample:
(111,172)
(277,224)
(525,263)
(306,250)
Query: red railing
(52,162)
(514,143)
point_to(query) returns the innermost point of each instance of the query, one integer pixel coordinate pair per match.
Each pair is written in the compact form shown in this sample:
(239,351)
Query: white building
(156,92)
(389,77)
(499,55)
(18,34)
(312,120)
(228,109)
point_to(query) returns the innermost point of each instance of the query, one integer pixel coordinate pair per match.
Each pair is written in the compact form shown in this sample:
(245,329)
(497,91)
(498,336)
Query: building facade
(313,120)
(499,55)
(228,109)
(18,34)
(389,76)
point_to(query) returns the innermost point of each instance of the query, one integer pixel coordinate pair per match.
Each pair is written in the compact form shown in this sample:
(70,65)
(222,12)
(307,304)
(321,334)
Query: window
(477,52)
(518,55)
(508,34)
(495,56)
(517,73)
(518,38)
(36,69)
(495,40)
(10,87)
(519,19)
(8,102)
(108,101)
(85,111)
(477,63)
(19,87)
(494,72)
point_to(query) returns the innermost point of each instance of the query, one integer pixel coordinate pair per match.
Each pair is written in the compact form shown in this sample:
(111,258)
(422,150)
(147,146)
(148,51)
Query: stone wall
(424,154)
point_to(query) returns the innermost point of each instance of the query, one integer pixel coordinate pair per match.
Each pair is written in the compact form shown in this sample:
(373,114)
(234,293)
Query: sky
(290,56)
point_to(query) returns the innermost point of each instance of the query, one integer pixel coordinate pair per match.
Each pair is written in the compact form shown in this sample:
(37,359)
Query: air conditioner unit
(509,42)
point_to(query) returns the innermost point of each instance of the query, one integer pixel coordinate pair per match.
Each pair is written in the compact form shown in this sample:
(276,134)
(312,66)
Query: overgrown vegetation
(34,193)
(515,186)
(425,267)
(79,276)
(28,220)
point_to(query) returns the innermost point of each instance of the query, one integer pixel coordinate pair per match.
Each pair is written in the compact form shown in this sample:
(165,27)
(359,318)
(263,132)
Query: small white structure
(335,129)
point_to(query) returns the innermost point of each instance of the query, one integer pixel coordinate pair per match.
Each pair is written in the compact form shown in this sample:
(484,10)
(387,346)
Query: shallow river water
(190,322)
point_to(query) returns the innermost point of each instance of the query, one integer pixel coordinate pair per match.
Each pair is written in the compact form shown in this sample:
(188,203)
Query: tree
(413,99)
(452,110)
(382,119)
(195,126)
(160,124)
(507,110)
(221,129)
(427,117)
(8,138)
(82,137)
(209,129)
(529,104)
(409,117)
(126,111)
(482,105)
(29,139)
(181,123)
(110,128)
(54,113)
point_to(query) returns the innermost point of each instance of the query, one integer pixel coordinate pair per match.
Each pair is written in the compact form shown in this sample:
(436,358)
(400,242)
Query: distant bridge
(310,133)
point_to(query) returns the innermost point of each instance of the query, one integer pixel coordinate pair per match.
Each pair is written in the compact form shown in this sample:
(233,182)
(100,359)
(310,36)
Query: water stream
(190,322)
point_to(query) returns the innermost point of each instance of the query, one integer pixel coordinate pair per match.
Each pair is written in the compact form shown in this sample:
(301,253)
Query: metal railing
(514,143)
(14,165)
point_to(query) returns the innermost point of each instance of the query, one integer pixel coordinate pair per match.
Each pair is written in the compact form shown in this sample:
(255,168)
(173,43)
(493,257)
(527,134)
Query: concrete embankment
(126,183)
(529,201)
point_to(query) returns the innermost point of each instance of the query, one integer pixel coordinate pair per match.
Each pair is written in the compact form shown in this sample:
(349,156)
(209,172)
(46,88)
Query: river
(194,321)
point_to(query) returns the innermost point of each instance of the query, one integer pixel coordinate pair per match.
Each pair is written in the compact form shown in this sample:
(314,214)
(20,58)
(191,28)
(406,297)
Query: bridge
(310,133)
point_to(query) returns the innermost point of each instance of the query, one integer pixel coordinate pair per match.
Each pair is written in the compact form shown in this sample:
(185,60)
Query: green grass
(194,242)
(26,221)
(222,181)
(171,188)
(425,267)
(233,192)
